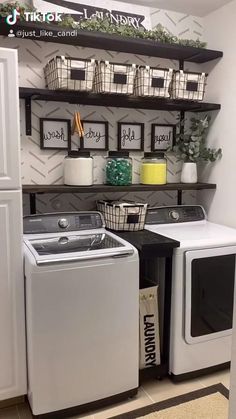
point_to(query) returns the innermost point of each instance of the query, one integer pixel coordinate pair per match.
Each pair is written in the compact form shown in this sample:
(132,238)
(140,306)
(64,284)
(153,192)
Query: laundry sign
(149,328)
(117,12)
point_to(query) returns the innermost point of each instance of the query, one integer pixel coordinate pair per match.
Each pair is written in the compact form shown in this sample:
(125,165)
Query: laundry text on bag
(150,345)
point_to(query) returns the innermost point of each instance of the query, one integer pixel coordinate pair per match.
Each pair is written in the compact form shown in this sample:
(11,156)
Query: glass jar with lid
(119,168)
(153,169)
(78,168)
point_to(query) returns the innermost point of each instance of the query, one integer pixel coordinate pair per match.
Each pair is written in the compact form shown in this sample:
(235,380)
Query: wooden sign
(117,12)
(163,137)
(130,136)
(95,135)
(55,133)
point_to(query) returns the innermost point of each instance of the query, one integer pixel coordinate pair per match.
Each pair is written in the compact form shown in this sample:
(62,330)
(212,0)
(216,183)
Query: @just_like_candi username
(44,33)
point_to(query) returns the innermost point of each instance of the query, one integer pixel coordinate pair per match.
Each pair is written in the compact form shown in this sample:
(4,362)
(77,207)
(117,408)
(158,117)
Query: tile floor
(151,391)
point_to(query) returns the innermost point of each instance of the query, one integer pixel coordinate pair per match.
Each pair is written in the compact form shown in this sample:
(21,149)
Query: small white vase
(189,173)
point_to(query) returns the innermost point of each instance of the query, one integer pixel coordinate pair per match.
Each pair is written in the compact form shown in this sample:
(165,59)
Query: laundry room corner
(118,264)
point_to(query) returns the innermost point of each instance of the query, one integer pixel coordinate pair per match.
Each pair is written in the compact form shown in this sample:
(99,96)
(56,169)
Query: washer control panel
(58,222)
(174,215)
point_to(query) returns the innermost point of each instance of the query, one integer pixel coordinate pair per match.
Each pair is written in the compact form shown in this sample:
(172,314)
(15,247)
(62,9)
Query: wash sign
(119,13)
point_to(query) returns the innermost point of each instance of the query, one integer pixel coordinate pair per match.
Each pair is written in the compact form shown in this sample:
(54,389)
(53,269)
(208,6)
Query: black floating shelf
(99,40)
(107,188)
(121,101)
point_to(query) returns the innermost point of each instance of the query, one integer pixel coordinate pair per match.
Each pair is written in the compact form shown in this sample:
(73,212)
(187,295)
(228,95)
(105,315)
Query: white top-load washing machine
(82,313)
(202,288)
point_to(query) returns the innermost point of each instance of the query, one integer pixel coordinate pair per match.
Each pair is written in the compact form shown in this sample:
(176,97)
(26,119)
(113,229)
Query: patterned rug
(207,403)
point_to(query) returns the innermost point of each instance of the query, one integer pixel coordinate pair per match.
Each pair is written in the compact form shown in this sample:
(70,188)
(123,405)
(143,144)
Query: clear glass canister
(119,168)
(153,169)
(78,169)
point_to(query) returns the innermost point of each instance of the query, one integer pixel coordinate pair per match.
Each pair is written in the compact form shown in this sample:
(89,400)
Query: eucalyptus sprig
(191,145)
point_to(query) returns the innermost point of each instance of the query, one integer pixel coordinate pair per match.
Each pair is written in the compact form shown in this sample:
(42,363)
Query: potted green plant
(191,148)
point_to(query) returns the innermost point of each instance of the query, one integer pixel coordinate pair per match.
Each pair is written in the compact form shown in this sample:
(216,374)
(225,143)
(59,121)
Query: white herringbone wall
(46,166)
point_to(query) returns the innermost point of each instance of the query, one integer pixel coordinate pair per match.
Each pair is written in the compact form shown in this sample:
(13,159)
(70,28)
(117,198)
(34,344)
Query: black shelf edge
(121,101)
(107,188)
(99,40)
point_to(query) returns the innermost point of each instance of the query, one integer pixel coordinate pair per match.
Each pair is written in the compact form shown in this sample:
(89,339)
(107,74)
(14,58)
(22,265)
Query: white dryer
(202,289)
(82,313)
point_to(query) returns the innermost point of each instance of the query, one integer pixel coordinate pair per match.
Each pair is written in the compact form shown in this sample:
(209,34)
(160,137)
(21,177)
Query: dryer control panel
(175,214)
(59,222)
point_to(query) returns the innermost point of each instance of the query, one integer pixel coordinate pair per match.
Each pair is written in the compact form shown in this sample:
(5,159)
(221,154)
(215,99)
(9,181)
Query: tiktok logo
(12,19)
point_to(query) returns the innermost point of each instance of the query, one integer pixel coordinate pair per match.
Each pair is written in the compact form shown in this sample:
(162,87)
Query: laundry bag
(114,78)
(70,73)
(123,216)
(149,328)
(153,81)
(189,86)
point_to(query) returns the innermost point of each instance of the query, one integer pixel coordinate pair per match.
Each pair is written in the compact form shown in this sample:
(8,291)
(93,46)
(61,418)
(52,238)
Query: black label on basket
(157,82)
(120,78)
(132,219)
(192,86)
(77,74)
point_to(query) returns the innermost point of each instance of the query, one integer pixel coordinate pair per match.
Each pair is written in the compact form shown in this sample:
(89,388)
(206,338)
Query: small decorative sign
(130,136)
(95,135)
(55,134)
(163,137)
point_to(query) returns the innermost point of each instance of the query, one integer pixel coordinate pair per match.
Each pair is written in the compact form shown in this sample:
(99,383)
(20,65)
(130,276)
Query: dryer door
(209,290)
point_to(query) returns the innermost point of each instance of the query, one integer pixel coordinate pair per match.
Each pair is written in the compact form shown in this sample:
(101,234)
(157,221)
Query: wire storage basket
(123,216)
(70,73)
(114,78)
(153,81)
(188,85)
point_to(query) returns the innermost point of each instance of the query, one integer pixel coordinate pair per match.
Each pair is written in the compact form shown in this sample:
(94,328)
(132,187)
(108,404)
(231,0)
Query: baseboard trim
(12,402)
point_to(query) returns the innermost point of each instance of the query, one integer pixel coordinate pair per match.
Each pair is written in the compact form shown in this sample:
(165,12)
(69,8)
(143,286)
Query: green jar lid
(118,154)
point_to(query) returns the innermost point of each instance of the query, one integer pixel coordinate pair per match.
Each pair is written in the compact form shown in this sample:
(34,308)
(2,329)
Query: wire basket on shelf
(114,78)
(188,85)
(153,81)
(70,73)
(123,216)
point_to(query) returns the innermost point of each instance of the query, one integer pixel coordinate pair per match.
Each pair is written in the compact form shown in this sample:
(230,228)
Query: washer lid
(71,247)
(197,234)
(75,243)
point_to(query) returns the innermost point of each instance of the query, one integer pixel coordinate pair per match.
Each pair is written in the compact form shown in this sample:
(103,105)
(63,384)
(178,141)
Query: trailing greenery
(159,34)
(6,9)
(191,145)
